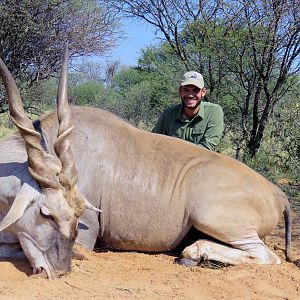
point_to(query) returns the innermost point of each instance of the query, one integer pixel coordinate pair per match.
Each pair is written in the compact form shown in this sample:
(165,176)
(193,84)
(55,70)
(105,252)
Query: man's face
(191,96)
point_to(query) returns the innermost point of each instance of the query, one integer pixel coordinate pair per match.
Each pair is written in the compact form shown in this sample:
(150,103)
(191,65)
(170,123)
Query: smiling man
(193,120)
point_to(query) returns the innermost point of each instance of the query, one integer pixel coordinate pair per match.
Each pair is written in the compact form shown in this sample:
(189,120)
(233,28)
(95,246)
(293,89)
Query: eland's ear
(24,197)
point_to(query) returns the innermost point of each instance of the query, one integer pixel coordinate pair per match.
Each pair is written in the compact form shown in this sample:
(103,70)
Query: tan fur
(153,188)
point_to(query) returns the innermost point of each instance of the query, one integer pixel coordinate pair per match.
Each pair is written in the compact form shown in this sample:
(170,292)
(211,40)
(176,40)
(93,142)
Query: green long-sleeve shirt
(205,129)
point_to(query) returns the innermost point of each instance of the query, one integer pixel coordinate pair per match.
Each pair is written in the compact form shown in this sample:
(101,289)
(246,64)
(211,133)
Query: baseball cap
(194,78)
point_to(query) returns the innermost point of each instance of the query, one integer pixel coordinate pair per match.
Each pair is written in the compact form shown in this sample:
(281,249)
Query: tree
(165,71)
(89,84)
(134,90)
(171,17)
(249,51)
(284,133)
(272,41)
(86,70)
(111,70)
(34,32)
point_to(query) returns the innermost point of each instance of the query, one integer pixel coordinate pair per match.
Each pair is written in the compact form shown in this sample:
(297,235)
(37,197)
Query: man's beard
(187,107)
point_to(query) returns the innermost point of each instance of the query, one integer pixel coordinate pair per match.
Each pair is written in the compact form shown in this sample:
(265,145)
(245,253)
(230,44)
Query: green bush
(6,126)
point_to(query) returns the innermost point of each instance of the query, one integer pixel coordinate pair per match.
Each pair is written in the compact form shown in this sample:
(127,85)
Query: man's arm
(159,126)
(214,131)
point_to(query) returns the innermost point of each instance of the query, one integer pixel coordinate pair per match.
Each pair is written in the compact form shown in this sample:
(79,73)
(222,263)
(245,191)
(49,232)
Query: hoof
(187,262)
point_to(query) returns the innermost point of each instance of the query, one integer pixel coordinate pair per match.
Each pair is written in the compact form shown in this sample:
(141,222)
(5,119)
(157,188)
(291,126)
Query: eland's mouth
(47,273)
(42,273)
(40,259)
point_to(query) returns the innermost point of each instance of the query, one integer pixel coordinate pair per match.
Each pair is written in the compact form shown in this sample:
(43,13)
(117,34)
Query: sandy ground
(120,275)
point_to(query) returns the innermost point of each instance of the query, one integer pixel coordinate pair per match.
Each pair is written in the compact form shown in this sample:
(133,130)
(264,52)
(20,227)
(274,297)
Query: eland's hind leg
(256,248)
(250,251)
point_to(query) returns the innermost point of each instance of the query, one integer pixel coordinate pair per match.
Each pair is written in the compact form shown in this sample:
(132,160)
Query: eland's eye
(45,213)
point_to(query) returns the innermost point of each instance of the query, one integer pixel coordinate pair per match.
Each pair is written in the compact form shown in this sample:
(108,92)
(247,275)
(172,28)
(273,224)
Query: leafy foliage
(34,32)
(248,51)
(6,126)
(284,135)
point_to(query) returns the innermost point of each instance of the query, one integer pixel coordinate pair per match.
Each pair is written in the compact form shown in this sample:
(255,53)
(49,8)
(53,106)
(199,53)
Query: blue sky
(139,35)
